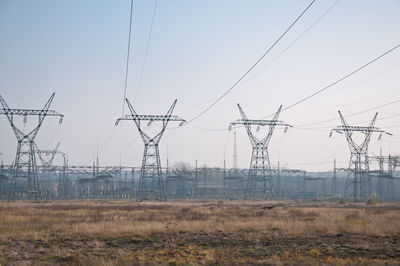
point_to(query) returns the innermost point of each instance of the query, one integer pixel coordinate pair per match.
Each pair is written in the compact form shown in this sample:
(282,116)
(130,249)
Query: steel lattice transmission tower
(260,166)
(385,186)
(151,185)
(25,159)
(48,169)
(47,160)
(358,183)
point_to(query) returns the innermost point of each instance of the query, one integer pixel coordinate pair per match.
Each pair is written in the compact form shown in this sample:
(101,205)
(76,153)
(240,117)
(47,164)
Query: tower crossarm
(10,112)
(348,130)
(151,118)
(29,112)
(40,113)
(165,119)
(362,129)
(259,122)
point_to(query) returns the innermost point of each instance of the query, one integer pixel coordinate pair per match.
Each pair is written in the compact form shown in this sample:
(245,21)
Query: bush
(371,202)
(342,201)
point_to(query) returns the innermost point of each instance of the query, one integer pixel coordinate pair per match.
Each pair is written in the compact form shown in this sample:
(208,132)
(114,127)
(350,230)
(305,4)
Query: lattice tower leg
(259,173)
(25,168)
(151,185)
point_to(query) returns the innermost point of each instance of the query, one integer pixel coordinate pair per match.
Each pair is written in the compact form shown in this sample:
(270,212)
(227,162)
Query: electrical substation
(31,179)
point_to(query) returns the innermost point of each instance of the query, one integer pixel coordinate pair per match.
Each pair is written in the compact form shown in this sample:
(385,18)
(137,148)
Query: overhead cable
(341,79)
(253,66)
(147,51)
(127,58)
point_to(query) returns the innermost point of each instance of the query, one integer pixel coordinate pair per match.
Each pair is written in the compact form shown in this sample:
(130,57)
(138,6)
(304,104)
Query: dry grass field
(199,233)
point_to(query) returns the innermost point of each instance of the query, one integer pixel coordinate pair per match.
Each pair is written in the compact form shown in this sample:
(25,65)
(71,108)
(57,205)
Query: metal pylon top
(348,130)
(150,119)
(41,113)
(259,122)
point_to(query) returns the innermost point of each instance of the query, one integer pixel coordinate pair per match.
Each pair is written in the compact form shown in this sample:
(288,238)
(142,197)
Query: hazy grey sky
(198,50)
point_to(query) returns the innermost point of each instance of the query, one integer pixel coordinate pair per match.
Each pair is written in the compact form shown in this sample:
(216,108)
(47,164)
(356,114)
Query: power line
(353,114)
(208,129)
(328,128)
(122,150)
(364,79)
(304,126)
(253,66)
(147,50)
(292,43)
(284,50)
(107,139)
(329,120)
(53,136)
(127,58)
(341,79)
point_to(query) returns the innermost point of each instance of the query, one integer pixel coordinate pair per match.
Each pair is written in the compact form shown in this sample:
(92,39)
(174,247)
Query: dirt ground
(199,233)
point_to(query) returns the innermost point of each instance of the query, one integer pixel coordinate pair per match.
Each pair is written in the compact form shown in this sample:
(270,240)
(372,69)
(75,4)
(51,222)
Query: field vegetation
(199,233)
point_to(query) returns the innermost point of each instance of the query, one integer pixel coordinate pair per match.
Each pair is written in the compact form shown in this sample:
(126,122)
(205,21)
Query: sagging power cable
(253,66)
(127,58)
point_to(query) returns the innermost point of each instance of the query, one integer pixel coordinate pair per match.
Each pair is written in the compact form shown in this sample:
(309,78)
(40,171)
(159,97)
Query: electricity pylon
(260,165)
(358,183)
(151,185)
(385,190)
(25,159)
(47,160)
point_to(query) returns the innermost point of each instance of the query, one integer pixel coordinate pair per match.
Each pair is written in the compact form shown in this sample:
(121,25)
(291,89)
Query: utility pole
(151,185)
(334,178)
(167,162)
(358,183)
(380,183)
(65,183)
(224,172)
(234,161)
(25,160)
(205,181)
(260,166)
(278,181)
(196,178)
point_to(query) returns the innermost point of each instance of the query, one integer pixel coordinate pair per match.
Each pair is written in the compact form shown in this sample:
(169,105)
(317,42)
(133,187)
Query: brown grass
(99,227)
(130,218)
